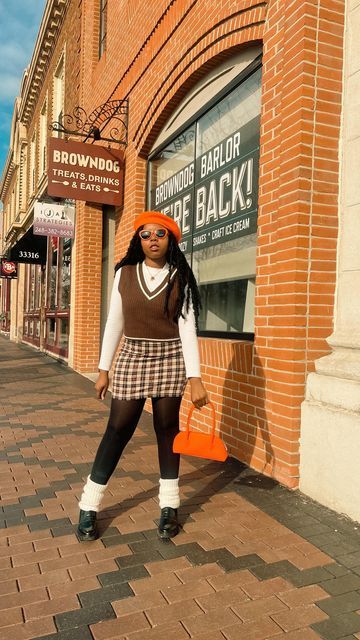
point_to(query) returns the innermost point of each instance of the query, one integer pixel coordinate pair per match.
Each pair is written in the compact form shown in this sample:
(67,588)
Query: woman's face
(155,247)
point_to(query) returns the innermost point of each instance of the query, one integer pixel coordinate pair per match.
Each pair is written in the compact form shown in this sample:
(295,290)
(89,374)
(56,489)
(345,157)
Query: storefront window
(32,303)
(207,180)
(59,274)
(58,295)
(64,333)
(53,273)
(51,327)
(32,287)
(64,297)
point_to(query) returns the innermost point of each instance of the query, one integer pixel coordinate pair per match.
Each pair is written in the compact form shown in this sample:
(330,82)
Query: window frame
(58,93)
(32,167)
(103,9)
(56,313)
(43,139)
(239,79)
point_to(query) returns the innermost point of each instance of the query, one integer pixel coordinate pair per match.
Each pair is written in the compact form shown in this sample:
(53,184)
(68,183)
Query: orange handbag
(202,445)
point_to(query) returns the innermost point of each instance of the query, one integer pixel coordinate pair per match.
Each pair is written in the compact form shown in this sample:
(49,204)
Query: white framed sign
(54,220)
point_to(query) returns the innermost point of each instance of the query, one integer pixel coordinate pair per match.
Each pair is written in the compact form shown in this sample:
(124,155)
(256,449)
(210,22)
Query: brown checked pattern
(252,561)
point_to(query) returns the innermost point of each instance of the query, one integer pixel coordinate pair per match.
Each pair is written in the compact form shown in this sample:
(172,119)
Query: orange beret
(156,217)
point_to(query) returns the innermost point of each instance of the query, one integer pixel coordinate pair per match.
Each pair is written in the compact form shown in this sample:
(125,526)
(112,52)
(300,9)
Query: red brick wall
(298,215)
(155,54)
(87,296)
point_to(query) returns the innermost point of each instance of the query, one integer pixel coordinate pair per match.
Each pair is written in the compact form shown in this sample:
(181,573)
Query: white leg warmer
(92,495)
(169,493)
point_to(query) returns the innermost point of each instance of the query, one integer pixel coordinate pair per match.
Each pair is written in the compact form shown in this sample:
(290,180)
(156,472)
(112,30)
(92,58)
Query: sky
(19,26)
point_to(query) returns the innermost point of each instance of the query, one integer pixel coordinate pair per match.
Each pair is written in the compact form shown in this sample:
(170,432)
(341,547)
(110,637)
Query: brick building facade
(196,73)
(258,387)
(36,306)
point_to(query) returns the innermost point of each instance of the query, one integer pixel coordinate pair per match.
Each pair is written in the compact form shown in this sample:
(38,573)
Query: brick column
(296,258)
(330,430)
(87,295)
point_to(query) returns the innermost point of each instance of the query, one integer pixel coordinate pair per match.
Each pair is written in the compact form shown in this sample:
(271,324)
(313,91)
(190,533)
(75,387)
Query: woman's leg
(166,425)
(123,419)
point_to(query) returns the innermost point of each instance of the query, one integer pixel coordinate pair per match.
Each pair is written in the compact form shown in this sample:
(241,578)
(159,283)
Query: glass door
(32,307)
(57,312)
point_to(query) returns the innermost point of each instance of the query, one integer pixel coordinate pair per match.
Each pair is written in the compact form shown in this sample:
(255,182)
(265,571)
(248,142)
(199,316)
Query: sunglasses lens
(146,235)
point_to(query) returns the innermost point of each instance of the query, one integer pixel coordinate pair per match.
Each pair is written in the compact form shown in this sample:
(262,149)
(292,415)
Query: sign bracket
(111,116)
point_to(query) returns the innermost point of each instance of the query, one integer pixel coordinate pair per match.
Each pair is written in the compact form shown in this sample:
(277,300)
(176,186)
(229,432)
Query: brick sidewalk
(253,560)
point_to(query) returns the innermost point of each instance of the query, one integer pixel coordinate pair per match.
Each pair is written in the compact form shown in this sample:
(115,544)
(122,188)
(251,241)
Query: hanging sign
(54,220)
(215,198)
(81,171)
(8,269)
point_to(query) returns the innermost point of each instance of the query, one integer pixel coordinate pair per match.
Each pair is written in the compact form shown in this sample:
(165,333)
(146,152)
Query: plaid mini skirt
(149,369)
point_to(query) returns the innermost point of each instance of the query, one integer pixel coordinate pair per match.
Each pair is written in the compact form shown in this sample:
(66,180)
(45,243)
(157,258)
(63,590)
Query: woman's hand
(102,384)
(199,397)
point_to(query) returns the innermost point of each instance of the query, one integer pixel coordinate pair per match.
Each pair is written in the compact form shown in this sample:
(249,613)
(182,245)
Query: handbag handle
(192,409)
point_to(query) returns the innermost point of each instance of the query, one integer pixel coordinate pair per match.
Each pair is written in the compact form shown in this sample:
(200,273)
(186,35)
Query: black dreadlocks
(176,260)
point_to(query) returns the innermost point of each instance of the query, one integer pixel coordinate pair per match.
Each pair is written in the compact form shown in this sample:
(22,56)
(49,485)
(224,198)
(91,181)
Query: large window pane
(226,177)
(38,286)
(207,180)
(64,333)
(175,156)
(227,268)
(239,107)
(64,301)
(51,331)
(171,183)
(53,273)
(32,287)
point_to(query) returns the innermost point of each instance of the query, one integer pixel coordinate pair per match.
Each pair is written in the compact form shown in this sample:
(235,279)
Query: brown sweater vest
(143,310)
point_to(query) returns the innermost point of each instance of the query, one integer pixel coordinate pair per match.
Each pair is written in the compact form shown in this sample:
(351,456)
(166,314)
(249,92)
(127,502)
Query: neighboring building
(37,303)
(3,318)
(234,113)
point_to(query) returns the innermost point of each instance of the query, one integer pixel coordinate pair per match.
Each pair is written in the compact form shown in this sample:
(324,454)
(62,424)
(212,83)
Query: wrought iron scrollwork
(111,116)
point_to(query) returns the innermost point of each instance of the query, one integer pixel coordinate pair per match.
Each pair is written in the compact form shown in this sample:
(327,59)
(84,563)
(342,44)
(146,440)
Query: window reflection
(58,294)
(65,274)
(54,248)
(64,333)
(51,331)
(207,180)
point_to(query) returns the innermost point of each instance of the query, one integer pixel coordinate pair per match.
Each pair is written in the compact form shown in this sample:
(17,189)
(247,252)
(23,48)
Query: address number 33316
(29,254)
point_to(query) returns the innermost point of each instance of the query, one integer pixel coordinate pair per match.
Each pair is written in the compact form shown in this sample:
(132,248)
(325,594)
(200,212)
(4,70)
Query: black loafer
(87,529)
(168,526)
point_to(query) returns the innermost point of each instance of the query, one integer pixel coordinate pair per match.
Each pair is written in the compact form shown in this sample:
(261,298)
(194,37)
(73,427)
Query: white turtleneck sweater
(114,325)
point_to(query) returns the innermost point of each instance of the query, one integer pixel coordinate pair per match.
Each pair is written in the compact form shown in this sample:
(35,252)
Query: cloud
(20,21)
(10,88)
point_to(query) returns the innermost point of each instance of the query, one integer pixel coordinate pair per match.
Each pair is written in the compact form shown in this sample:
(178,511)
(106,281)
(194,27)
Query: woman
(155,305)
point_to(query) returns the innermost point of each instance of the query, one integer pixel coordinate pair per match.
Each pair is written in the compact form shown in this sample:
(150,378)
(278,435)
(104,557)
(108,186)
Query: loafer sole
(83,536)
(166,535)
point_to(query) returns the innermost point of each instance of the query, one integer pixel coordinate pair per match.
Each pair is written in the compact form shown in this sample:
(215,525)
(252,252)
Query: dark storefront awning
(29,249)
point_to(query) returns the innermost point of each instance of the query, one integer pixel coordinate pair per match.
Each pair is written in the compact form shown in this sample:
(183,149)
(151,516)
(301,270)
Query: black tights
(123,419)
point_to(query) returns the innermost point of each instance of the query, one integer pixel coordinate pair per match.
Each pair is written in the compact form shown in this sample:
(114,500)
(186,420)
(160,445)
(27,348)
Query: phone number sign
(54,220)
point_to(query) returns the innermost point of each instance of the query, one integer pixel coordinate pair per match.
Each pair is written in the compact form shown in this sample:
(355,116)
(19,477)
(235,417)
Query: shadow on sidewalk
(222,477)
